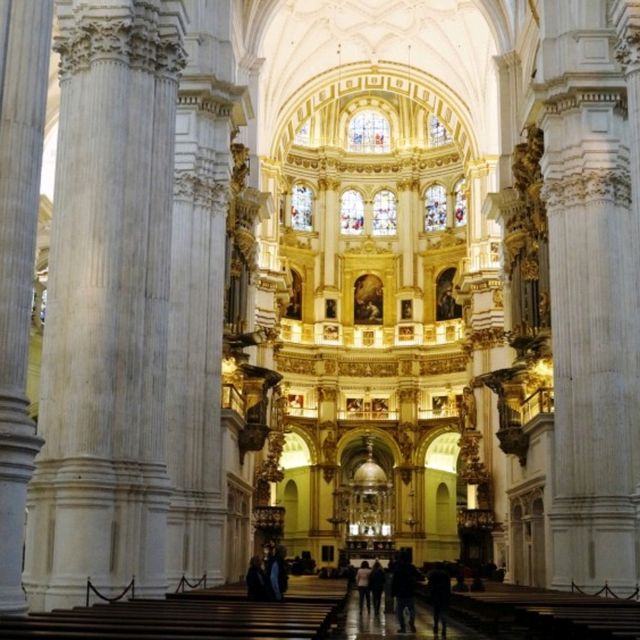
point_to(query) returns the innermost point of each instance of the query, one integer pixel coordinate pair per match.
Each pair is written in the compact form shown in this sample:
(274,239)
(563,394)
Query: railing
(434,414)
(606,591)
(475,519)
(184,582)
(539,402)
(130,587)
(301,412)
(269,519)
(232,399)
(367,415)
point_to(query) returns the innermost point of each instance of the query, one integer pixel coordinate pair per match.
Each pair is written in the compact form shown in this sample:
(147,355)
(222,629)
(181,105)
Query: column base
(594,542)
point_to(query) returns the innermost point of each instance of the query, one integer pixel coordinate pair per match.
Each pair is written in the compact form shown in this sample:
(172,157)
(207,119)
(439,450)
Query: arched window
(460,212)
(384,214)
(352,213)
(302,208)
(435,204)
(303,135)
(369,132)
(438,133)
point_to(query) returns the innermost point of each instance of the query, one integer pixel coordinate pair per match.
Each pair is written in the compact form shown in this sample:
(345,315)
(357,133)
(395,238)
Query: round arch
(354,80)
(359,433)
(298,449)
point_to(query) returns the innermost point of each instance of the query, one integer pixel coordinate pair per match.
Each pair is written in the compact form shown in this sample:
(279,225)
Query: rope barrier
(607,592)
(130,587)
(184,582)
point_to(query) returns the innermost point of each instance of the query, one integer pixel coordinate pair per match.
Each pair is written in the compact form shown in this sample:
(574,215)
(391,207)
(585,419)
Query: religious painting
(368,300)
(380,405)
(439,404)
(330,308)
(294,308)
(354,404)
(406,309)
(295,401)
(331,332)
(405,333)
(368,338)
(446,306)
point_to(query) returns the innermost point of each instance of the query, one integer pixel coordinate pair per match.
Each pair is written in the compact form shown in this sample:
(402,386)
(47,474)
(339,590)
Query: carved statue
(468,410)
(329,447)
(406,445)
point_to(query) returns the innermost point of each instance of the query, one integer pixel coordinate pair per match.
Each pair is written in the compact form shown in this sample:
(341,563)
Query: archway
(440,493)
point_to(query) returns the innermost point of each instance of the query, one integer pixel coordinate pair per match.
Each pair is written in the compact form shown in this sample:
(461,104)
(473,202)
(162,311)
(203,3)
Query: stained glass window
(435,202)
(384,214)
(438,133)
(352,213)
(302,208)
(369,133)
(303,135)
(460,212)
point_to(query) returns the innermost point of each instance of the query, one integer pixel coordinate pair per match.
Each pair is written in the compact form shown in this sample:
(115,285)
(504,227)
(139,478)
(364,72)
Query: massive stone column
(209,112)
(25,35)
(586,173)
(626,15)
(99,499)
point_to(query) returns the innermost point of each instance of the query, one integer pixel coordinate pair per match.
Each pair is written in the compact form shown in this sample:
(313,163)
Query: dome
(370,473)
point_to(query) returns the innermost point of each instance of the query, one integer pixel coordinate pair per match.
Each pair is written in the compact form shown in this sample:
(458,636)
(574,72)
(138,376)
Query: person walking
(376,584)
(439,586)
(362,582)
(277,577)
(405,577)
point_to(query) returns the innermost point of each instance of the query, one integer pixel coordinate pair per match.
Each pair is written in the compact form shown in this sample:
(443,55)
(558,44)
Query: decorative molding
(373,167)
(290,364)
(211,194)
(628,50)
(327,394)
(578,98)
(598,185)
(436,366)
(368,369)
(487,338)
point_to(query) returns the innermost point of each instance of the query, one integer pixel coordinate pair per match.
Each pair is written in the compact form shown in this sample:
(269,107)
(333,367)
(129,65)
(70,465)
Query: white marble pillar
(99,498)
(626,16)
(587,189)
(25,34)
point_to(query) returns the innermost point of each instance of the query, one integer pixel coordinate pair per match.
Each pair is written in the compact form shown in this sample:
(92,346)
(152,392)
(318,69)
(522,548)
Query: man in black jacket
(403,586)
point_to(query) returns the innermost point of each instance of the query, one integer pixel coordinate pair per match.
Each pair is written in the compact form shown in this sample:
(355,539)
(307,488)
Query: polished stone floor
(371,627)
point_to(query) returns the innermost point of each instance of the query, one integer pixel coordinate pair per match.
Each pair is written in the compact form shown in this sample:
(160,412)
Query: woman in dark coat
(376,584)
(256,580)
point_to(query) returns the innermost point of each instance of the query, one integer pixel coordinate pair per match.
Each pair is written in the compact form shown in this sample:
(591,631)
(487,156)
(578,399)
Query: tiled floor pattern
(368,626)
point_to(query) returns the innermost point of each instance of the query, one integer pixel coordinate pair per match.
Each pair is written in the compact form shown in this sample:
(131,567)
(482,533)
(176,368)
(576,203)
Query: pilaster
(25,33)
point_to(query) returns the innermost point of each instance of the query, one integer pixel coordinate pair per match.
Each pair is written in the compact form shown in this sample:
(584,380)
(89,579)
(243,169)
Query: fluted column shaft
(626,16)
(588,210)
(25,35)
(100,493)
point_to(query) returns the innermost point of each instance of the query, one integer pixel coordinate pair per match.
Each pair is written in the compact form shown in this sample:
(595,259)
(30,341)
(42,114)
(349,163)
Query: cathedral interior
(357,276)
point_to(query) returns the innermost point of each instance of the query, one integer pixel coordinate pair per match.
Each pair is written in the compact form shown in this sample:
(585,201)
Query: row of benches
(307,613)
(548,615)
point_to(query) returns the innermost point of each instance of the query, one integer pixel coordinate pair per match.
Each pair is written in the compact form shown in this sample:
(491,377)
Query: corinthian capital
(138,36)
(211,194)
(613,186)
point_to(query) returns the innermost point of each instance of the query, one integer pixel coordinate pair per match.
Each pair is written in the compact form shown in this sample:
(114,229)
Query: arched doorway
(440,492)
(294,493)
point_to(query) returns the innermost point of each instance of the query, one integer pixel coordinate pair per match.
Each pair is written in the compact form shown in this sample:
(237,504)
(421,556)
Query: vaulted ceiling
(453,40)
